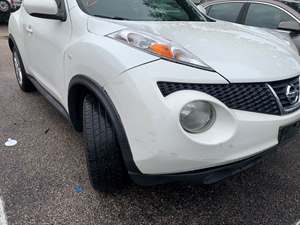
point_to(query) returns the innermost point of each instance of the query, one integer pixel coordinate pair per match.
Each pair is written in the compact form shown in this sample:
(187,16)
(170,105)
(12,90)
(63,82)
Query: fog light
(197,116)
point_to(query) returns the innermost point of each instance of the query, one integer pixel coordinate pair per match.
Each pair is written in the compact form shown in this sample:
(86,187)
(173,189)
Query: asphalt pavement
(43,179)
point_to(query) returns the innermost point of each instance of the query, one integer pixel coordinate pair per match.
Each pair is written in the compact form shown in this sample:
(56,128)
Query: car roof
(273,2)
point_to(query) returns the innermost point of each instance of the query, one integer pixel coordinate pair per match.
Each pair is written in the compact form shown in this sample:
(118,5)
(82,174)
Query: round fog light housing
(197,116)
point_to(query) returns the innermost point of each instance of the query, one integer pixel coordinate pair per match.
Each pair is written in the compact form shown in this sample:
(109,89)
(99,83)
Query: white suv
(161,92)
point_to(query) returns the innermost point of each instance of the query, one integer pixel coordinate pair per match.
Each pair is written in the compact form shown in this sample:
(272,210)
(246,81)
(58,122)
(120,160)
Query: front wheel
(23,81)
(104,159)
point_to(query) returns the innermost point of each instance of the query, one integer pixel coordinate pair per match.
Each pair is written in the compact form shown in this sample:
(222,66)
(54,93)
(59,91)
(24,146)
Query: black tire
(104,158)
(22,78)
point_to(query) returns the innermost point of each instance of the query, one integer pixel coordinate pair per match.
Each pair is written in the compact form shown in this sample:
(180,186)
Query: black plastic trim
(243,13)
(46,16)
(252,97)
(49,97)
(11,38)
(205,176)
(103,97)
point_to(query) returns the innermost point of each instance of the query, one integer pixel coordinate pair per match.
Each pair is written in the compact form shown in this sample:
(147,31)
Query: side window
(226,11)
(267,16)
(208,9)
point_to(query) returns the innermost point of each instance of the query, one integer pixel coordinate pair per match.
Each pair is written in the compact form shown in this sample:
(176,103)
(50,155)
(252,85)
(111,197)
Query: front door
(46,40)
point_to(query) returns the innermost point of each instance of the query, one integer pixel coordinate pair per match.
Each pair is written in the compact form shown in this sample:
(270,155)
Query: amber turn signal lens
(162,50)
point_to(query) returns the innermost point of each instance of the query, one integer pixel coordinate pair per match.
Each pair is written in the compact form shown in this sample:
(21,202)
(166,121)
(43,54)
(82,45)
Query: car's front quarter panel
(101,58)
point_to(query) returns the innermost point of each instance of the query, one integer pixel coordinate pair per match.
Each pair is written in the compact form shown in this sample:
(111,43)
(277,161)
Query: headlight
(197,116)
(158,46)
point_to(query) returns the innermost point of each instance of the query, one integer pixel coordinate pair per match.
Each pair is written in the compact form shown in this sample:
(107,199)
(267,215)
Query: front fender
(102,58)
(15,30)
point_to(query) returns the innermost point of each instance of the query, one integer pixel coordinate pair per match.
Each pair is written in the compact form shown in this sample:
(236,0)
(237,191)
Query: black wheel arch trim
(103,97)
(11,41)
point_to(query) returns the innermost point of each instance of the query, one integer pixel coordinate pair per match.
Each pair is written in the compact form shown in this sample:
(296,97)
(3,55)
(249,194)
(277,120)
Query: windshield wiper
(112,17)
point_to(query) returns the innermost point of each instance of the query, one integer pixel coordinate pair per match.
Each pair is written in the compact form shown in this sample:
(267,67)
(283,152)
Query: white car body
(55,52)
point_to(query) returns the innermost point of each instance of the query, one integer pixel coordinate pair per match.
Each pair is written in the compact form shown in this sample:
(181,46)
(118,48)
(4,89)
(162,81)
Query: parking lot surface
(43,179)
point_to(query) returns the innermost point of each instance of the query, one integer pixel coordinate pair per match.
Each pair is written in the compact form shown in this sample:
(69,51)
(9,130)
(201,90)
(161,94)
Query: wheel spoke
(18,69)
(4,7)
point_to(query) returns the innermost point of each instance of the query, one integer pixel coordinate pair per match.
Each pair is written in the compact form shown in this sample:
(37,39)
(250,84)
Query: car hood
(239,53)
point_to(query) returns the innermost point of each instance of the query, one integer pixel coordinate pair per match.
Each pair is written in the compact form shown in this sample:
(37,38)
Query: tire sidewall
(15,53)
(106,167)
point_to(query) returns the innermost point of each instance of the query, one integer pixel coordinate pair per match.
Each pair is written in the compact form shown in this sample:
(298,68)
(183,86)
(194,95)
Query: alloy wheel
(18,68)
(4,6)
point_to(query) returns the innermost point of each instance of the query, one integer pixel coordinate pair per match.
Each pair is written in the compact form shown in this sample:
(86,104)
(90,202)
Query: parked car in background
(281,16)
(7,7)
(15,5)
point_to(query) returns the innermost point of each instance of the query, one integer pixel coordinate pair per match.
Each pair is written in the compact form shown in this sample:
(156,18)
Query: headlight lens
(158,46)
(197,116)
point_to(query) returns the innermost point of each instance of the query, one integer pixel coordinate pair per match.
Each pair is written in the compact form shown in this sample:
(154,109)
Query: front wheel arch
(11,43)
(79,87)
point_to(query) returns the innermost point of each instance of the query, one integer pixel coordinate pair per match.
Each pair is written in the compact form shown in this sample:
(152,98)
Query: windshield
(142,10)
(293,4)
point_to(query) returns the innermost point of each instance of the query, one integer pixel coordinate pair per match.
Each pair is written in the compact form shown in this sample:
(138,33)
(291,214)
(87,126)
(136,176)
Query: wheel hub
(4,7)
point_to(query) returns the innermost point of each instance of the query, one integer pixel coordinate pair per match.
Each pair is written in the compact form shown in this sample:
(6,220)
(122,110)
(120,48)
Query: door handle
(29,29)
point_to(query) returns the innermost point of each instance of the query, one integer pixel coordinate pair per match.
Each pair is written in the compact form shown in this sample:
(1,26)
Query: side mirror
(46,9)
(291,26)
(202,9)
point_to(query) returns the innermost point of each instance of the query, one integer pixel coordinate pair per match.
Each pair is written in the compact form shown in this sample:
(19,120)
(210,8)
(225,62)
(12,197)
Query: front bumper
(215,174)
(205,176)
(159,145)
